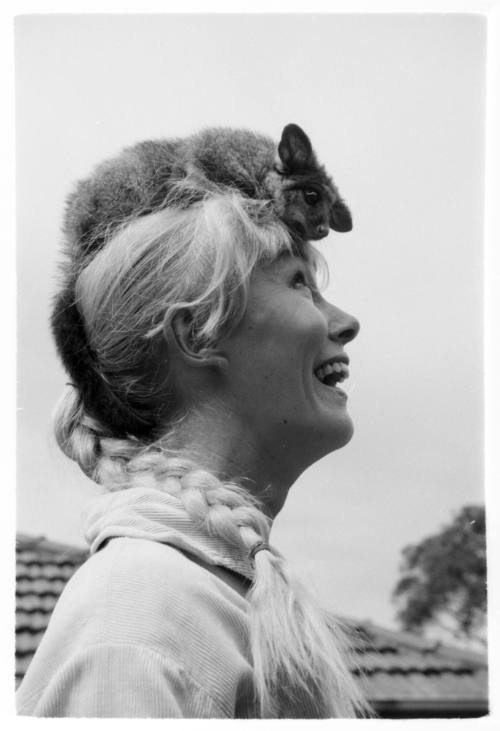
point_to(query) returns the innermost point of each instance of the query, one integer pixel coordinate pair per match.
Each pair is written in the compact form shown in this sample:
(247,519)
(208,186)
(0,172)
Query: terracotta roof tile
(45,571)
(407,661)
(40,587)
(27,641)
(31,621)
(22,664)
(33,602)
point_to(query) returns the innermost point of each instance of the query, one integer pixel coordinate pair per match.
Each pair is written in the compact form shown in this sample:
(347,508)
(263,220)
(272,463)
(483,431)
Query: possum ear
(340,217)
(295,149)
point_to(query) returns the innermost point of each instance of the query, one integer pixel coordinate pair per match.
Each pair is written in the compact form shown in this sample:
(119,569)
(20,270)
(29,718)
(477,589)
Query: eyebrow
(308,263)
(295,252)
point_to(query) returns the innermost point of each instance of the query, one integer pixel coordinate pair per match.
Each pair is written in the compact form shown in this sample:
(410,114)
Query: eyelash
(300,278)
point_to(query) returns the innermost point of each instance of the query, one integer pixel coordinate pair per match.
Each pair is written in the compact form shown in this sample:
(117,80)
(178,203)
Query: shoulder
(146,606)
(142,580)
(151,596)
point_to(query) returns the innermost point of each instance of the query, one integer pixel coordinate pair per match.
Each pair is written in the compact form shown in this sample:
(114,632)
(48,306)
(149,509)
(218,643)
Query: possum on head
(153,174)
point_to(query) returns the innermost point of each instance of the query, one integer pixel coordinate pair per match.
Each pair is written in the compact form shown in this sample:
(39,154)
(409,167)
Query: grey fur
(142,178)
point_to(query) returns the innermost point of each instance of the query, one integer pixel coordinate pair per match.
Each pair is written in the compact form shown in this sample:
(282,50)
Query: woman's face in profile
(277,378)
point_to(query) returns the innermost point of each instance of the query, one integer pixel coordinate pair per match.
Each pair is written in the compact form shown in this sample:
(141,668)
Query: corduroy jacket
(154,624)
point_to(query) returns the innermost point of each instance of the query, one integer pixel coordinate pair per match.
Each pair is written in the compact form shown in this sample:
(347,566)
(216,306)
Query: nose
(342,327)
(321,231)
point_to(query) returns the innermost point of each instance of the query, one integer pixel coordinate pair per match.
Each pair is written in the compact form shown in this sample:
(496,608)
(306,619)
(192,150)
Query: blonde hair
(199,259)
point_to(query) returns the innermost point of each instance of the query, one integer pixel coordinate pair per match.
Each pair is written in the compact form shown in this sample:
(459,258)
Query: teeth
(340,370)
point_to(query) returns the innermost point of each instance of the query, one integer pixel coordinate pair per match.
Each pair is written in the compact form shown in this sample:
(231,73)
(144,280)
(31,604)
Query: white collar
(154,515)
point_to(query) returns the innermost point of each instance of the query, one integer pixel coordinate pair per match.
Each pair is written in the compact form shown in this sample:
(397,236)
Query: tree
(443,582)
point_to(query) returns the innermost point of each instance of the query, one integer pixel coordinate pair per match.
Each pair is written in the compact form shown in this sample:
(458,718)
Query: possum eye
(311,197)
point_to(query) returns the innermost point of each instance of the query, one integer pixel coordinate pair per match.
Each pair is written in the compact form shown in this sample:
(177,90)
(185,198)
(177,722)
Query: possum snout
(322,231)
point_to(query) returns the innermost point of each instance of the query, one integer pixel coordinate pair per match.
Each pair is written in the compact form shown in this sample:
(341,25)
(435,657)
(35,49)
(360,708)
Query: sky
(394,107)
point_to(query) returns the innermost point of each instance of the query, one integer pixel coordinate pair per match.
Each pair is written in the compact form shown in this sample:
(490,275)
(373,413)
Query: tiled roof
(42,570)
(401,674)
(404,674)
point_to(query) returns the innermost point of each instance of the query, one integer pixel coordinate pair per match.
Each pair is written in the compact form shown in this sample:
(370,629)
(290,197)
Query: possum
(143,178)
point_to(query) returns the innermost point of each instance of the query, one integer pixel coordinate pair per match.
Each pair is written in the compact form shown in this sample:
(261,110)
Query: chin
(339,434)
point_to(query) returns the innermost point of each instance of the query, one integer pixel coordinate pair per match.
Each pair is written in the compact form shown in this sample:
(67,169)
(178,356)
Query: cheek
(284,354)
(277,345)
(326,211)
(320,214)
(309,328)
(295,209)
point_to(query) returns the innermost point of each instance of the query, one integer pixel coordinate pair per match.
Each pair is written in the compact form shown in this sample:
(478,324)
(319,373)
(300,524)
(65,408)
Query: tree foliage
(443,579)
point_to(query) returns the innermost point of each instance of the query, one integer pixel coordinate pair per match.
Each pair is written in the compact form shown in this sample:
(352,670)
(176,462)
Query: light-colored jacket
(154,624)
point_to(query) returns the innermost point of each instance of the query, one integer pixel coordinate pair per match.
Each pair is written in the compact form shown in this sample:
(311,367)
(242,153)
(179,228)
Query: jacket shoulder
(141,596)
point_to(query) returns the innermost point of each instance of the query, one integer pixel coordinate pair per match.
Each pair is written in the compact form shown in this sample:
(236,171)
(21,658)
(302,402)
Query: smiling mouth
(332,374)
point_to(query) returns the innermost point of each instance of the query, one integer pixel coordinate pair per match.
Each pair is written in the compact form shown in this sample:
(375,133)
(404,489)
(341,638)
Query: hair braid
(85,440)
(296,649)
(75,431)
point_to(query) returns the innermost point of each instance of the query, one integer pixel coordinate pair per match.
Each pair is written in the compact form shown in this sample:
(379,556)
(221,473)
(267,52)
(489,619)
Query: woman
(204,365)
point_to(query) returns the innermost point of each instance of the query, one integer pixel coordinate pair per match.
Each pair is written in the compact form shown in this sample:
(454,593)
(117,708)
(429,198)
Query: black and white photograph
(250,366)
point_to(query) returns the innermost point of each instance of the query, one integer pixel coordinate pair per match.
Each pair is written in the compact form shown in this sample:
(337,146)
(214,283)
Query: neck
(219,441)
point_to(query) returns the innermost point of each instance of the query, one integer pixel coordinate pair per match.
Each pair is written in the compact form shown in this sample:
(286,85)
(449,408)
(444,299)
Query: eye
(311,197)
(300,281)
